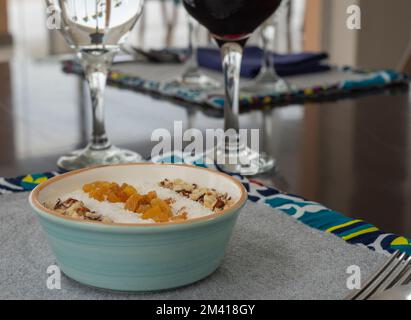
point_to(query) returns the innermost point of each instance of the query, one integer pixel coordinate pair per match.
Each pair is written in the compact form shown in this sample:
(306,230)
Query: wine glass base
(197,82)
(87,157)
(267,82)
(246,162)
(267,88)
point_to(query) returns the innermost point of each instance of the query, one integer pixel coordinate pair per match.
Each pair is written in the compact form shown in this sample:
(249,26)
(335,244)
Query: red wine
(231,20)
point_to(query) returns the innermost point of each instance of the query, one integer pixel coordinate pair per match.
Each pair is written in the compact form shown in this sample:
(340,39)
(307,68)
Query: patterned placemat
(336,83)
(270,256)
(313,214)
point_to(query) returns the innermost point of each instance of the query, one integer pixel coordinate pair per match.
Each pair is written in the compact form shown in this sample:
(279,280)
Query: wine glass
(95,29)
(267,81)
(231,23)
(192,77)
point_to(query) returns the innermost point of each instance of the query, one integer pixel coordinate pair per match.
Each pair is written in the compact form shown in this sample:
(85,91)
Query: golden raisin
(132,203)
(128,190)
(96,194)
(180,217)
(155,213)
(152,195)
(88,187)
(149,205)
(112,197)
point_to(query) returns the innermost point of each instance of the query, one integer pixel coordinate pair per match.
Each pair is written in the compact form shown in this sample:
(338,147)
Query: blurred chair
(169,15)
(5,37)
(290,33)
(141,30)
(405,63)
(169,12)
(297,19)
(313,25)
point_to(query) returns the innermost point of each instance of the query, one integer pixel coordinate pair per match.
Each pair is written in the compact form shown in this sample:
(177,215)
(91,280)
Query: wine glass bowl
(95,29)
(233,20)
(97,24)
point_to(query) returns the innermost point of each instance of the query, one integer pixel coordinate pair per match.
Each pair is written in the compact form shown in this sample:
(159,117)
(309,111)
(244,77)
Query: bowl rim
(40,208)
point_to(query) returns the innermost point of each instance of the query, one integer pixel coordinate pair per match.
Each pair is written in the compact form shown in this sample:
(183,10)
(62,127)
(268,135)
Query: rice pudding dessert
(141,202)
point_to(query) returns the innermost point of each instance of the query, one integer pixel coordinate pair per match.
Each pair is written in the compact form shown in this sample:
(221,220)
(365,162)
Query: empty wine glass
(95,28)
(231,23)
(268,81)
(192,76)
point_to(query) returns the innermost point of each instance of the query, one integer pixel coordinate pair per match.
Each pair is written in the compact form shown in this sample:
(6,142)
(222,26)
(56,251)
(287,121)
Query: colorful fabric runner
(358,82)
(313,214)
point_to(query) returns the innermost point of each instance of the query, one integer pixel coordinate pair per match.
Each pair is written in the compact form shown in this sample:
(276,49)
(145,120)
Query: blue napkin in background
(285,64)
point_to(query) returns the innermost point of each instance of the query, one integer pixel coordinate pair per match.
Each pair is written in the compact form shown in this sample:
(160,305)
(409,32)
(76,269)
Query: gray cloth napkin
(271,256)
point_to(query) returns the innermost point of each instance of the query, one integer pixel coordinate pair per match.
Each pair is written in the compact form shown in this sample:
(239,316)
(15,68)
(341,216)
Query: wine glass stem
(192,63)
(268,45)
(268,63)
(96,70)
(231,53)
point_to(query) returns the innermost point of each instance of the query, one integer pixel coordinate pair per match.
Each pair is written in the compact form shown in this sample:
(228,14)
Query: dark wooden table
(352,155)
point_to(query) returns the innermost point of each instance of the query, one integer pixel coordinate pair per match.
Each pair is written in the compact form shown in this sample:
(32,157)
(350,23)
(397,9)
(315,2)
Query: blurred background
(33,90)
(382,42)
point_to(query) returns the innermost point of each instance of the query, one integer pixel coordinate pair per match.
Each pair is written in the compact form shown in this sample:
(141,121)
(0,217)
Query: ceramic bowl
(138,257)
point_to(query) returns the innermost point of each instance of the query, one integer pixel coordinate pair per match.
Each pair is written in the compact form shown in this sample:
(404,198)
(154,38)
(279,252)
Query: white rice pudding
(117,213)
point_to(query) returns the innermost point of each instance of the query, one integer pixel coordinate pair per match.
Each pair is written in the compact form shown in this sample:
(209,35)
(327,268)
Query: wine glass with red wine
(231,22)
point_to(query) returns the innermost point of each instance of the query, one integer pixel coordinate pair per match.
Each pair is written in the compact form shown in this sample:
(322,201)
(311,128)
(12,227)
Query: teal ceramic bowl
(138,257)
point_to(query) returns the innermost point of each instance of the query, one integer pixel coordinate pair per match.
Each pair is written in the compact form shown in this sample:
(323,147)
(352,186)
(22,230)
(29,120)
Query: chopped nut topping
(76,209)
(209,198)
(219,204)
